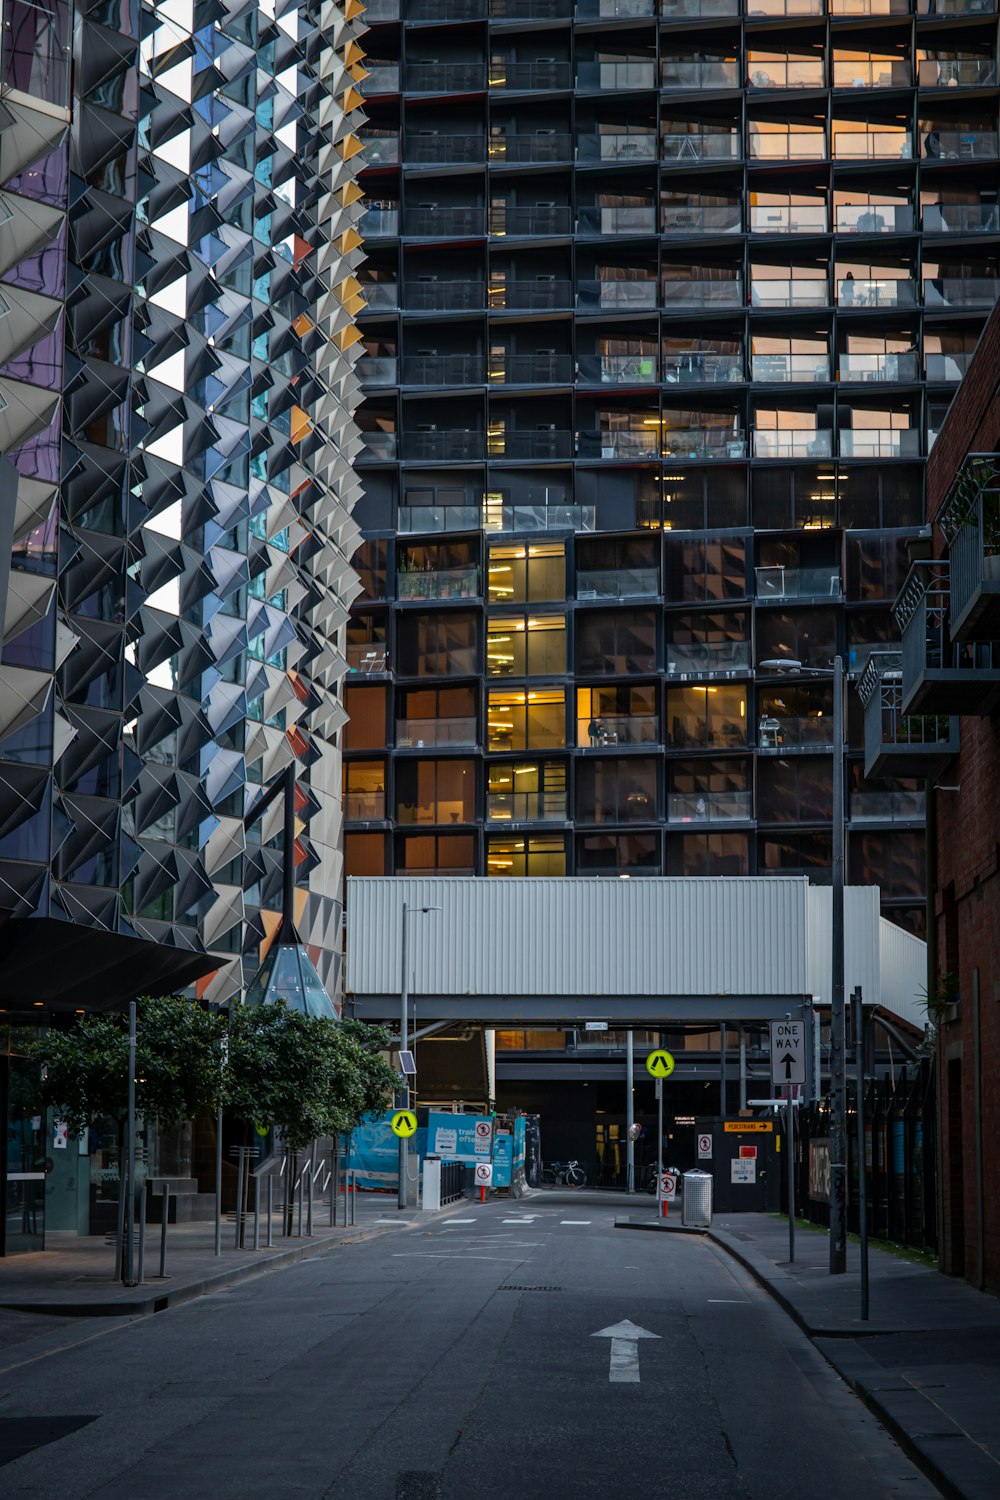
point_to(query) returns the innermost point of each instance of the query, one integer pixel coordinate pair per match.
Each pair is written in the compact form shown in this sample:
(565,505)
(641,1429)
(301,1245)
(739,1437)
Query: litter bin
(696,1205)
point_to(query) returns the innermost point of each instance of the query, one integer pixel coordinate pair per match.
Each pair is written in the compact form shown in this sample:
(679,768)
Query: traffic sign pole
(790,1141)
(659,1140)
(404,998)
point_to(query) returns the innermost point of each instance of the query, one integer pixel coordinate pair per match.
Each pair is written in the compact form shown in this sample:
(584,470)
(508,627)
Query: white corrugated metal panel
(580,936)
(861,942)
(904,973)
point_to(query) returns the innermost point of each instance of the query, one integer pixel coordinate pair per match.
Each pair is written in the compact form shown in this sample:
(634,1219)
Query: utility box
(696,1205)
(745,1164)
(431,1200)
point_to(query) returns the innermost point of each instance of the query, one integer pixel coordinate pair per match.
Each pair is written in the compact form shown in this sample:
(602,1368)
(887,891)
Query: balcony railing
(878,367)
(418,520)
(626,218)
(872,145)
(444,78)
(702,367)
(961,218)
(708,658)
(530,295)
(530,10)
(896,743)
(710,807)
(701,293)
(444,369)
(873,218)
(790,369)
(439,583)
(790,218)
(785,145)
(418,734)
(616,76)
(381,80)
(699,442)
(956,7)
(808,444)
(779,582)
(696,218)
(368,658)
(776,8)
(535,218)
(381,150)
(545,443)
(449,444)
(879,442)
(678,73)
(377,369)
(382,10)
(618,583)
(625,369)
(796,73)
(618,729)
(795,732)
(959,145)
(953,291)
(380,296)
(528,76)
(526,807)
(530,369)
(539,517)
(444,223)
(537,146)
(619,145)
(684,146)
(948,367)
(364,807)
(871,73)
(445,296)
(870,7)
(957,72)
(589,10)
(941,675)
(899,292)
(379,223)
(644,442)
(443,10)
(970,520)
(378,446)
(444,150)
(630,295)
(682,10)
(790,293)
(886,807)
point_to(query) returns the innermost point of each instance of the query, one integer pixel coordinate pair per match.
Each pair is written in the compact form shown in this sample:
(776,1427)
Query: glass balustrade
(961,218)
(643,442)
(539,518)
(377,223)
(380,80)
(439,583)
(381,150)
(382,10)
(678,73)
(872,145)
(539,146)
(618,729)
(530,369)
(639,218)
(870,7)
(594,295)
(530,294)
(787,369)
(433,734)
(532,218)
(444,369)
(627,369)
(957,72)
(701,293)
(364,807)
(418,520)
(444,78)
(795,732)
(526,807)
(619,145)
(380,296)
(959,145)
(530,10)
(700,145)
(705,658)
(366,657)
(377,370)
(446,444)
(873,218)
(545,443)
(378,446)
(700,218)
(444,296)
(785,145)
(785,8)
(709,807)
(444,222)
(779,582)
(853,292)
(793,73)
(444,150)
(948,367)
(443,10)
(792,218)
(812,443)
(682,10)
(790,294)
(617,76)
(873,367)
(699,442)
(871,73)
(702,367)
(529,76)
(952,291)
(588,10)
(956,7)
(879,442)
(886,807)
(617,583)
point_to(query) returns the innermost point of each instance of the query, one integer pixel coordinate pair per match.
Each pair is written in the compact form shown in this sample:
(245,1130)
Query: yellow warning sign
(404,1122)
(660,1064)
(748,1127)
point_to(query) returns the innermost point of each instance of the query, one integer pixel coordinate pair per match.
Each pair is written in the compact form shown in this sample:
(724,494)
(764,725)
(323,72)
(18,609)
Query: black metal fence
(451,1181)
(900,1159)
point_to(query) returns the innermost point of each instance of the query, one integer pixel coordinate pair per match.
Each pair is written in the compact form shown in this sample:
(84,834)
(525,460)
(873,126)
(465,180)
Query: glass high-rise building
(666,300)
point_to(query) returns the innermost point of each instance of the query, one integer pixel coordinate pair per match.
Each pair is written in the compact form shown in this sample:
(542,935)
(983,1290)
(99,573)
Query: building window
(892,861)
(526,720)
(795,790)
(526,574)
(708,854)
(526,792)
(435,791)
(797,854)
(531,1041)
(364,854)
(369,563)
(705,571)
(618,854)
(710,791)
(445,853)
(364,790)
(442,570)
(619,790)
(618,715)
(526,646)
(538,856)
(707,716)
(436,717)
(616,643)
(365,728)
(445,644)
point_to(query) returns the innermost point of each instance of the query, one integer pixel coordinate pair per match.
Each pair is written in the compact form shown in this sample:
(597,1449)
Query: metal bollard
(164,1221)
(239,1199)
(142,1233)
(308,1184)
(256,1212)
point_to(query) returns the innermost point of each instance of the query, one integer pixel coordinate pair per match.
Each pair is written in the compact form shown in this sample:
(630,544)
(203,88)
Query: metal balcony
(970,519)
(444,369)
(443,150)
(897,743)
(455,444)
(444,78)
(530,294)
(506,368)
(444,296)
(435,222)
(525,77)
(541,444)
(961,218)
(941,675)
(534,146)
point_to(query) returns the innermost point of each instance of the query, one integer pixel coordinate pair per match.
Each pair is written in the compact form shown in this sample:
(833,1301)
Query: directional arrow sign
(788,1052)
(624,1336)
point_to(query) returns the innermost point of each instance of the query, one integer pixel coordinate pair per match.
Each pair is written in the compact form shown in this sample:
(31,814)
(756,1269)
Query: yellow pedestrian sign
(404,1122)
(660,1064)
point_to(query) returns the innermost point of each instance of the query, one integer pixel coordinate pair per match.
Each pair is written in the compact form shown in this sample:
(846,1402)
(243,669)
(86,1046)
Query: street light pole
(838,1028)
(404,1001)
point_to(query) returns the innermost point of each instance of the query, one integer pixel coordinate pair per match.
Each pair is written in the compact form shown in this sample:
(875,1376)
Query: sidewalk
(72,1276)
(927,1362)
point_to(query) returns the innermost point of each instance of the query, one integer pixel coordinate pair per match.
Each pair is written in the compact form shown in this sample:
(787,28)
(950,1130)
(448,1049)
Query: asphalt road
(456,1362)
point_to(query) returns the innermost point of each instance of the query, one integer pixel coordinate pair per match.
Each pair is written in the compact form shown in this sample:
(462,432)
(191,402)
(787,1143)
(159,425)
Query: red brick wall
(973,421)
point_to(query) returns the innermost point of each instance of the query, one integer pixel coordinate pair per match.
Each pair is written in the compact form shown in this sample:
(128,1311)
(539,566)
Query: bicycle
(564,1174)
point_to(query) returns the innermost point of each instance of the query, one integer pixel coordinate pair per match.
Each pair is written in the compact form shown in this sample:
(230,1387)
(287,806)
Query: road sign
(404,1122)
(262,1129)
(595,1025)
(705,1147)
(659,1064)
(484,1173)
(484,1137)
(668,1185)
(748,1127)
(748,1153)
(743,1169)
(788,1052)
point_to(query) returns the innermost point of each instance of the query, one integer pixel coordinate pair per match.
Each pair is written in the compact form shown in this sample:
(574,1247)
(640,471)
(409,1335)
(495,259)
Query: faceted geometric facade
(176,397)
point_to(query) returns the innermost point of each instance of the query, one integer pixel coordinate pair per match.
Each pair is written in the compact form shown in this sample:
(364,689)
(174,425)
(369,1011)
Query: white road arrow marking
(624,1336)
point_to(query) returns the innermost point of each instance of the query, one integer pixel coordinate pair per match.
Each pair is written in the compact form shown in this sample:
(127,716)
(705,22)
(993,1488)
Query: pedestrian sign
(484,1173)
(660,1064)
(262,1129)
(404,1122)
(788,1052)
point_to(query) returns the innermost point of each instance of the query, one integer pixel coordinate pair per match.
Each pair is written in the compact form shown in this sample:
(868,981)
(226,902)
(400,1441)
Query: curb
(659,1226)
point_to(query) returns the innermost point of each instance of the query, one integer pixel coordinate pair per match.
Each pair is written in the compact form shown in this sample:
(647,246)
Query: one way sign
(788,1052)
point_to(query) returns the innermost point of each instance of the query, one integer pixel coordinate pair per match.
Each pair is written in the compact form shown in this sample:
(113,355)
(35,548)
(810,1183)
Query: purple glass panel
(41,364)
(44,271)
(36,52)
(38,458)
(46,180)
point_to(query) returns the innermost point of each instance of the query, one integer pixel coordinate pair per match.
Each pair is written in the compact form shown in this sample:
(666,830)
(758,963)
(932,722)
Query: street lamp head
(428,908)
